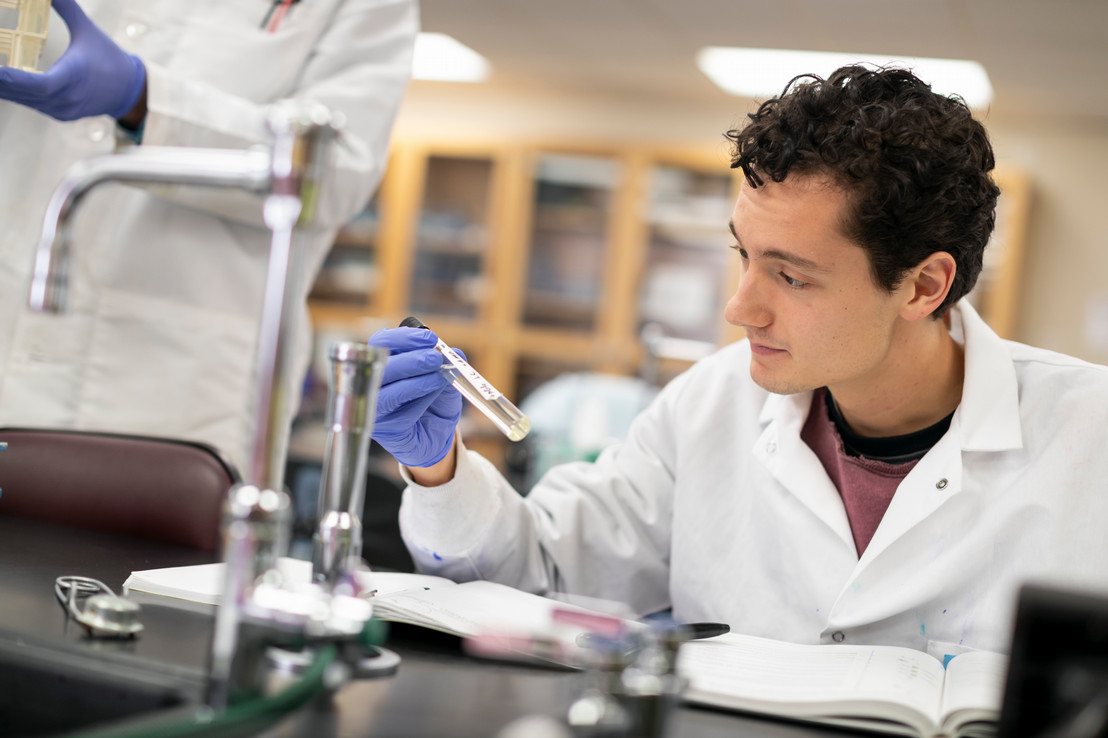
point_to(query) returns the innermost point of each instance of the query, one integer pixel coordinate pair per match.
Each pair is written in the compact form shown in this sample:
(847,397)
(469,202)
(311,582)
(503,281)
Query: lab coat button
(771,447)
(136,29)
(941,484)
(97,132)
(838,636)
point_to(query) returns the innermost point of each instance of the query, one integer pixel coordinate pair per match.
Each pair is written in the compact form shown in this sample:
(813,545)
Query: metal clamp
(105,615)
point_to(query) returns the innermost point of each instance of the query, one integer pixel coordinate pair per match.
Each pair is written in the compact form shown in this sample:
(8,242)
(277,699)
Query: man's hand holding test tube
(417,408)
(477,389)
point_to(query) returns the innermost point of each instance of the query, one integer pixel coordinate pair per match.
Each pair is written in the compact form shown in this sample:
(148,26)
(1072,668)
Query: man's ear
(929,283)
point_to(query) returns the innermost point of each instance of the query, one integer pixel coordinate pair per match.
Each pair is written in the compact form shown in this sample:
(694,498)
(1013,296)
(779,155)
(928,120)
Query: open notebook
(496,620)
(875,688)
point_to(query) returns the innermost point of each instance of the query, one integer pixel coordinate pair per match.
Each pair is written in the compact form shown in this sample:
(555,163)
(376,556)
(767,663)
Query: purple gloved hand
(417,408)
(93,77)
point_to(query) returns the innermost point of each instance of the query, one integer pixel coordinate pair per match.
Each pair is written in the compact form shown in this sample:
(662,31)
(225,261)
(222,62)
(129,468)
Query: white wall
(1066,258)
(443,111)
(1065,277)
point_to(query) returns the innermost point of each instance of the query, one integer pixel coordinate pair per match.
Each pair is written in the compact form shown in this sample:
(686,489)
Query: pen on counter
(706,630)
(683,631)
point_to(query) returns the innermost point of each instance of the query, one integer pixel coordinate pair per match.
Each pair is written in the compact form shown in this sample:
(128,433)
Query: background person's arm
(205,77)
(598,529)
(214,88)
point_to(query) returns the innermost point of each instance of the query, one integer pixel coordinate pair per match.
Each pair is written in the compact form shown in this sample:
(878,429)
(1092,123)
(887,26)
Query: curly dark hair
(915,165)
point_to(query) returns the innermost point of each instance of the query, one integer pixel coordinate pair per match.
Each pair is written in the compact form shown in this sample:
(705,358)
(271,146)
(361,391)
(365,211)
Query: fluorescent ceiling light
(763,73)
(443,58)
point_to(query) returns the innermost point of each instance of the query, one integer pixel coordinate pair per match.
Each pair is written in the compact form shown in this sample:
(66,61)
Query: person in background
(166,282)
(871,464)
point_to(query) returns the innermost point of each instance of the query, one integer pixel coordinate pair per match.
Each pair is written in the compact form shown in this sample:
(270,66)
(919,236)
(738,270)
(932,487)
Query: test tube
(475,388)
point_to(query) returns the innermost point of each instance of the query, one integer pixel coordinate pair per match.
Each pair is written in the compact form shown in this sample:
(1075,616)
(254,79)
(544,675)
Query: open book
(200,588)
(878,688)
(497,620)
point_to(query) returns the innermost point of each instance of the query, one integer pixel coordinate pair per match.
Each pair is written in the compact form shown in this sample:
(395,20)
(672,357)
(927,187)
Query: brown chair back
(161,489)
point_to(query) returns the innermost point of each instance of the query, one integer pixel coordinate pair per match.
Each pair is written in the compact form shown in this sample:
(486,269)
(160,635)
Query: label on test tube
(479,383)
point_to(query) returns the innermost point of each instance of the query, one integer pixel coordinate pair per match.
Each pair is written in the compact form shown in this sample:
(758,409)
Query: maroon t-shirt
(866,485)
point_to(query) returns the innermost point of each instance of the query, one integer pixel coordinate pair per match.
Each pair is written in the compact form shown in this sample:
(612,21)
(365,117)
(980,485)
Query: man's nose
(747,307)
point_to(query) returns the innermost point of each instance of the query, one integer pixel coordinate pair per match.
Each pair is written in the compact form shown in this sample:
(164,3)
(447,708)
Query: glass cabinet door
(682,288)
(350,273)
(452,237)
(573,197)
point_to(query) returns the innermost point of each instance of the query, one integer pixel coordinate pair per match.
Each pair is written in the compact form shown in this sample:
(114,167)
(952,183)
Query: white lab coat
(167,283)
(716,507)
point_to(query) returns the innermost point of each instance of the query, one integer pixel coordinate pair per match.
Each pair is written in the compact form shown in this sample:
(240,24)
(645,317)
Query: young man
(872,464)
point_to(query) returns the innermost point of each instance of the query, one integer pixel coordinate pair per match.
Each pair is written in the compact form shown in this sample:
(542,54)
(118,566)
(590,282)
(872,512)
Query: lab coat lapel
(990,393)
(795,466)
(934,480)
(986,420)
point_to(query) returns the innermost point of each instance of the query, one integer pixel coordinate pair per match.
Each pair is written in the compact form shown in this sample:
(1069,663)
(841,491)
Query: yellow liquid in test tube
(475,388)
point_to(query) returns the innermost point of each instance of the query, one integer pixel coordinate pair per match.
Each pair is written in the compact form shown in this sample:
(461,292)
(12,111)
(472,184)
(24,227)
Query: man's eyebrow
(786,256)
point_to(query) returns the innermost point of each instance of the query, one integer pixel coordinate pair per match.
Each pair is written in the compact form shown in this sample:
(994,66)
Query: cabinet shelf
(532,260)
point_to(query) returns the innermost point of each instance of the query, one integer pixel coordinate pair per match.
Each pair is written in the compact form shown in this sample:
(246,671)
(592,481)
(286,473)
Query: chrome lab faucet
(258,606)
(286,172)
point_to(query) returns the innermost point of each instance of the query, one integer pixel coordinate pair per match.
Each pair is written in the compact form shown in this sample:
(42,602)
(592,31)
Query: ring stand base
(383,663)
(380,662)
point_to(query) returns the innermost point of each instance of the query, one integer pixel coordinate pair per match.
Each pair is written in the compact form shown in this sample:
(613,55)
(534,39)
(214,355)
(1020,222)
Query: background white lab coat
(716,507)
(167,283)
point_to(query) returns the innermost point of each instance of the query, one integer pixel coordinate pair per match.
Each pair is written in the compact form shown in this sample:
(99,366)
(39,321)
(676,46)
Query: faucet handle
(302,133)
(291,114)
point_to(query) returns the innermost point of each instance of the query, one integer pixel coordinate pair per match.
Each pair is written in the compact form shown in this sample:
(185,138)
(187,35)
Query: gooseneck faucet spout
(287,172)
(259,608)
(245,170)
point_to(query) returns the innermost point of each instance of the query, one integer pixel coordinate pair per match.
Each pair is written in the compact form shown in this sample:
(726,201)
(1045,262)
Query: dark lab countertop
(436,691)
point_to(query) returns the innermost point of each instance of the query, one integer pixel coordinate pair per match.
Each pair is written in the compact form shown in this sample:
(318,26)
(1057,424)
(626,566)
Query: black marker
(706,630)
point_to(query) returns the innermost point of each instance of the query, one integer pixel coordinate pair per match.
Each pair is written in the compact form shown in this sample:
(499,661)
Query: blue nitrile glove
(93,77)
(417,409)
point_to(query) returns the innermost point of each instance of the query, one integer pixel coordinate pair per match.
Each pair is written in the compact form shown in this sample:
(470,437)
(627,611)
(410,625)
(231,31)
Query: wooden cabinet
(538,259)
